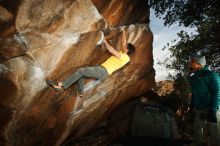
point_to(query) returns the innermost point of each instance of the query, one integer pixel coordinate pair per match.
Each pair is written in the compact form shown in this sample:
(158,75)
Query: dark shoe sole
(52,83)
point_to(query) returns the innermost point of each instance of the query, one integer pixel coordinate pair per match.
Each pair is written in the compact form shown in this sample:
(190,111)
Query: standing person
(113,63)
(205,86)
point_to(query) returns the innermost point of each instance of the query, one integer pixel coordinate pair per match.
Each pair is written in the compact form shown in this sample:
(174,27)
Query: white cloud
(156,37)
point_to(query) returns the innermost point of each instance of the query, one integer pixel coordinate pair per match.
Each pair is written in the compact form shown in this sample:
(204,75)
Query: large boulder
(50,40)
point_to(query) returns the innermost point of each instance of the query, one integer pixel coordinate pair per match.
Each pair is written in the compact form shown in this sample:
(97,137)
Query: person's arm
(214,86)
(111,49)
(124,41)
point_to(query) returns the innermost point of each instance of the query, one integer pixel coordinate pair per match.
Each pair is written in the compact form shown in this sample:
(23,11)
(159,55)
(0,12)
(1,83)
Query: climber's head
(129,49)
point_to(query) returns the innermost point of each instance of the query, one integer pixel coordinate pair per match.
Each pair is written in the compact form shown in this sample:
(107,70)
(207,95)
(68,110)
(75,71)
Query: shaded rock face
(50,40)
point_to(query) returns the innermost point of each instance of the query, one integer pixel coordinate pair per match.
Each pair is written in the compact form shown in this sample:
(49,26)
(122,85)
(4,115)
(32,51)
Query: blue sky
(162,36)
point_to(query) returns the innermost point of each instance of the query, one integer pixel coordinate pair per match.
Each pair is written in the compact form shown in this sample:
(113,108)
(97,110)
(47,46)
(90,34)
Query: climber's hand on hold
(121,29)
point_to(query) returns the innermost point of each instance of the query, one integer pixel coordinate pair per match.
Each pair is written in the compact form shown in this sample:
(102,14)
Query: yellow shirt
(113,63)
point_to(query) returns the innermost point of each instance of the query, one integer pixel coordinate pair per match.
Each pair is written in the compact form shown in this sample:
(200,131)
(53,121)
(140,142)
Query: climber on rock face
(100,72)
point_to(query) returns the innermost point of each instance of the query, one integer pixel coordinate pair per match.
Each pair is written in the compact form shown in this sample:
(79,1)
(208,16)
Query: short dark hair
(131,48)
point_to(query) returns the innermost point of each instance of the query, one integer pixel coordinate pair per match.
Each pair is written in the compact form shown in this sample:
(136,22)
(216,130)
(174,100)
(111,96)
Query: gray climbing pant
(199,124)
(97,72)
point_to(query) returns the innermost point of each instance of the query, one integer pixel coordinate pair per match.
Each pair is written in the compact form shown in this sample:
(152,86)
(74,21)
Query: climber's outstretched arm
(111,49)
(124,41)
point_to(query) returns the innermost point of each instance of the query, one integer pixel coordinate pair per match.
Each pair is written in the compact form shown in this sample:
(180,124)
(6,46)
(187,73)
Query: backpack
(154,121)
